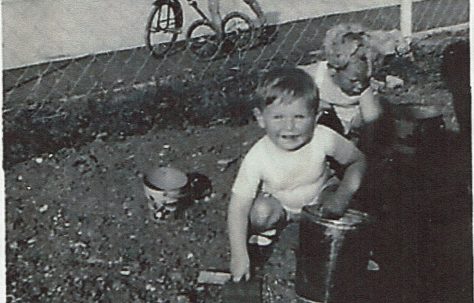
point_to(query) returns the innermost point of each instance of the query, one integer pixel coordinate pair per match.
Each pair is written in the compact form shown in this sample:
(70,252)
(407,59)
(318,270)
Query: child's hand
(333,207)
(239,268)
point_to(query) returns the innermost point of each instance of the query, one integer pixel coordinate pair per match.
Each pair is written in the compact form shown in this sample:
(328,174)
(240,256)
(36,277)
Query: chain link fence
(119,93)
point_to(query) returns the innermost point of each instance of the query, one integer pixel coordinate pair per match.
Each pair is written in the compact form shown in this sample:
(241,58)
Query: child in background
(349,104)
(343,40)
(287,168)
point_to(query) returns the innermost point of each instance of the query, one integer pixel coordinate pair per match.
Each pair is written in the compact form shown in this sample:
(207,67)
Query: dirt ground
(79,230)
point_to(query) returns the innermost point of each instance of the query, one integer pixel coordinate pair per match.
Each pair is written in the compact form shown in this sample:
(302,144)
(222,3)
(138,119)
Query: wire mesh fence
(289,43)
(83,94)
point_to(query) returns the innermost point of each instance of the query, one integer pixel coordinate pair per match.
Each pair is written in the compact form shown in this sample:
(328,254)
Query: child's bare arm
(342,102)
(355,164)
(323,105)
(237,220)
(352,179)
(370,106)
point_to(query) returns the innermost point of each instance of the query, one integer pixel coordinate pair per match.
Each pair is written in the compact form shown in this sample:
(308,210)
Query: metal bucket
(332,258)
(170,191)
(165,188)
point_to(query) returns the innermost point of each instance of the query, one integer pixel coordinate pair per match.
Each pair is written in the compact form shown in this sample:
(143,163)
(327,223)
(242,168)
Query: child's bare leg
(266,213)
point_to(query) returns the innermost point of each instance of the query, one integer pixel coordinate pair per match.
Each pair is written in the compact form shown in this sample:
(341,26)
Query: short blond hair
(347,42)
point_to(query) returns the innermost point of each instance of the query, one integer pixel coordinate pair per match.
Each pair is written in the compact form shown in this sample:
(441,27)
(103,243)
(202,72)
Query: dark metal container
(332,258)
(417,127)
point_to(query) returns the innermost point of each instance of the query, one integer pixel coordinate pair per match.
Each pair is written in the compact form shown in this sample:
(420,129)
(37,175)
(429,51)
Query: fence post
(406,18)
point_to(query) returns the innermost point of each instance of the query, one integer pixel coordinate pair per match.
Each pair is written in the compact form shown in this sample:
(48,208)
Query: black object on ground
(199,185)
(332,257)
(243,291)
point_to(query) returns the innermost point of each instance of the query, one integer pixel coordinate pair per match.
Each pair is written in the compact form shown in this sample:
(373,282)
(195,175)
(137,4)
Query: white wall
(36,31)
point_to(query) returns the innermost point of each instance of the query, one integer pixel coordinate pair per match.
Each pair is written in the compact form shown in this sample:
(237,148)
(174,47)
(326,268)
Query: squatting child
(287,169)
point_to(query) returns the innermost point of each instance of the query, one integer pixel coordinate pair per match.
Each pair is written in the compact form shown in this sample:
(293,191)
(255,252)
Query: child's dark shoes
(260,248)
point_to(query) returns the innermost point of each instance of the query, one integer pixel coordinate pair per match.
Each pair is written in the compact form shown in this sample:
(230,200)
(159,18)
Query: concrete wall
(36,31)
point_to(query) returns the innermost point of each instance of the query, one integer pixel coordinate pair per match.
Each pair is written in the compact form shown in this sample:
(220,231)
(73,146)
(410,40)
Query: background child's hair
(347,42)
(286,84)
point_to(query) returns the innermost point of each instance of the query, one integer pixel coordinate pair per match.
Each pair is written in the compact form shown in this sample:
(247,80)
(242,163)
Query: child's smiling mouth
(289,137)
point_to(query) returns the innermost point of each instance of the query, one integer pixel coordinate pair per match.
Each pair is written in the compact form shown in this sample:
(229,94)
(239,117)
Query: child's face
(289,126)
(353,79)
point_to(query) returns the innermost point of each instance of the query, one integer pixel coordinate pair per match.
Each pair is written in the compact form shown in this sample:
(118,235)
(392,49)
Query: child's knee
(265,212)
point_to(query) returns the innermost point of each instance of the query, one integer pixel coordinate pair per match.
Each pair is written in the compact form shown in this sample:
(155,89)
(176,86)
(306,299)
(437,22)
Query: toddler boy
(287,168)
